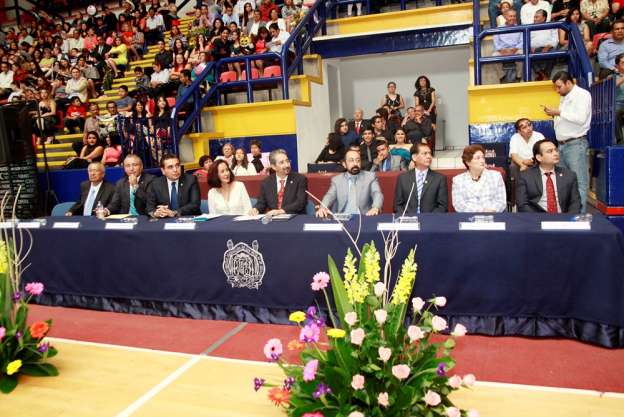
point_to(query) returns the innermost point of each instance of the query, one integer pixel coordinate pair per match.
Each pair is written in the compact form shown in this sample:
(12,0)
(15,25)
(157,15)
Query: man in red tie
(358,123)
(283,192)
(546,187)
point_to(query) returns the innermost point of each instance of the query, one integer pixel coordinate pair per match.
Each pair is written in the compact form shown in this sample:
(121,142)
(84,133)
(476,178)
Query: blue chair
(203,206)
(62,208)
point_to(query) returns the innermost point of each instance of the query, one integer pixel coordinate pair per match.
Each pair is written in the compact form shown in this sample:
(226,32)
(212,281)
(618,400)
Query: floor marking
(577,391)
(223,339)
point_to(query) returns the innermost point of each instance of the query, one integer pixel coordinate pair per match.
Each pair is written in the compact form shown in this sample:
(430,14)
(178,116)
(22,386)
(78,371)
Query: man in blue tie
(174,194)
(95,190)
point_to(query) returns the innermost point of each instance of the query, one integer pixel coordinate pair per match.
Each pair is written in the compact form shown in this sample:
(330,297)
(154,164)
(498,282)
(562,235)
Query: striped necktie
(420,183)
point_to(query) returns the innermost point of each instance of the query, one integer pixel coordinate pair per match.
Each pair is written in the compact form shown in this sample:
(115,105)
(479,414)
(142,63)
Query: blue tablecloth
(522,281)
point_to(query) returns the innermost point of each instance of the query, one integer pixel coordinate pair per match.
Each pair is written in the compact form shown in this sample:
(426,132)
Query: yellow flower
(372,264)
(3,257)
(356,289)
(405,283)
(336,333)
(13,367)
(297,316)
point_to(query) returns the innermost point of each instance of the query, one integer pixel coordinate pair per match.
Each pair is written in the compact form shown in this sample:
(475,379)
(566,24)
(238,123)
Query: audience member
(117,57)
(561,9)
(378,123)
(548,187)
(75,116)
(131,191)
(259,160)
(392,99)
(226,196)
(420,190)
(227,153)
(385,162)
(509,44)
(112,151)
(574,18)
(358,123)
(425,96)
(124,102)
(596,15)
(346,134)
(478,190)
(368,148)
(205,162)
(521,146)
(619,97)
(353,192)
(240,165)
(610,48)
(76,86)
(334,151)
(174,194)
(504,6)
(91,152)
(419,128)
(401,147)
(6,80)
(527,12)
(278,38)
(164,56)
(543,41)
(93,191)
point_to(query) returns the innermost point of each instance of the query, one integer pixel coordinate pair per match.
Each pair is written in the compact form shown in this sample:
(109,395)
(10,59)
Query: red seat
(272,71)
(255,74)
(228,76)
(151,106)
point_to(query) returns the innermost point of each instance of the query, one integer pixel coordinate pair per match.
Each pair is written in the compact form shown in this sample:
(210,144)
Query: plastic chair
(228,76)
(203,206)
(62,208)
(272,71)
(255,74)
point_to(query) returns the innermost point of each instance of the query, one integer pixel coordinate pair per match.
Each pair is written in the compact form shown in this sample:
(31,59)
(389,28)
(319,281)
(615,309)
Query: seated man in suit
(173,194)
(353,192)
(93,191)
(421,190)
(358,123)
(386,162)
(283,192)
(131,190)
(545,187)
(368,148)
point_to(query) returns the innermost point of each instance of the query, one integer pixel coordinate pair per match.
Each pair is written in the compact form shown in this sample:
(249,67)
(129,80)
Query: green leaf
(39,369)
(340,294)
(450,343)
(398,317)
(7,383)
(372,301)
(20,317)
(52,352)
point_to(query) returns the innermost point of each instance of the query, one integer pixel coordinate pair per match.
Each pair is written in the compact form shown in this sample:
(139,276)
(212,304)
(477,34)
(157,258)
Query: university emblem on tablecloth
(243,265)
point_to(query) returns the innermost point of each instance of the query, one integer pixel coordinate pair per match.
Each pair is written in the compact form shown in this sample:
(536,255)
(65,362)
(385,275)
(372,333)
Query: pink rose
(357,336)
(385,353)
(309,370)
(379,289)
(460,330)
(453,412)
(472,413)
(382,399)
(469,380)
(381,315)
(401,371)
(417,304)
(439,301)
(357,382)
(34,288)
(415,333)
(316,414)
(355,414)
(273,349)
(455,381)
(2,333)
(438,323)
(351,318)
(432,398)
(320,281)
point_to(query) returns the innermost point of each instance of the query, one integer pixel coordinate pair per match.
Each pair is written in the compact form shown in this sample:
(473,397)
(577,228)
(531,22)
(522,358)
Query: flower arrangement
(373,364)
(23,349)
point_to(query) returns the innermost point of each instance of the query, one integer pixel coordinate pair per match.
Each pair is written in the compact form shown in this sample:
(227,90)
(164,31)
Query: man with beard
(353,192)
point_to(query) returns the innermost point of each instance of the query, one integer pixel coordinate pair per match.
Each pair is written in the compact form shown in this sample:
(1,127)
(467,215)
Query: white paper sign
(482,226)
(6,225)
(28,225)
(180,226)
(119,226)
(552,225)
(391,227)
(66,225)
(322,227)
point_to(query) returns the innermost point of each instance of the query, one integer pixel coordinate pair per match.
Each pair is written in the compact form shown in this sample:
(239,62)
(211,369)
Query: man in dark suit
(546,188)
(283,192)
(93,191)
(131,190)
(417,126)
(368,148)
(358,123)
(427,188)
(173,194)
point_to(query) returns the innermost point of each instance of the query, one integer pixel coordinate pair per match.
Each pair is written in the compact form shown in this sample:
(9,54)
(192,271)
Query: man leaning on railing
(509,44)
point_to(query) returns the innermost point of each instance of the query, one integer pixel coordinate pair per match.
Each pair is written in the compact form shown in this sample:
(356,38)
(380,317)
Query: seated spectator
(226,195)
(76,86)
(290,12)
(174,194)
(177,35)
(159,81)
(504,6)
(265,9)
(124,102)
(154,27)
(259,160)
(357,124)
(619,97)
(274,18)
(509,44)
(385,162)
(401,147)
(217,27)
(6,80)
(204,59)
(141,81)
(75,116)
(610,48)
(378,124)
(354,192)
(164,57)
(561,9)
(222,47)
(574,18)
(91,152)
(117,57)
(348,136)
(91,74)
(185,83)
(227,153)
(229,16)
(368,148)
(418,127)
(278,38)
(262,44)
(547,187)
(91,124)
(244,10)
(205,162)
(527,12)
(240,165)
(284,191)
(254,25)
(137,47)
(112,151)
(334,151)
(392,99)
(521,146)
(108,123)
(596,15)
(179,65)
(543,41)
(478,190)
(93,191)
(420,190)
(46,119)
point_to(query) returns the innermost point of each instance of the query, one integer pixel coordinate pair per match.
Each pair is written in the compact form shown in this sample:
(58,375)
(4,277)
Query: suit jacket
(397,163)
(416,131)
(530,189)
(120,204)
(367,190)
(104,195)
(295,198)
(98,52)
(188,195)
(364,124)
(434,197)
(366,162)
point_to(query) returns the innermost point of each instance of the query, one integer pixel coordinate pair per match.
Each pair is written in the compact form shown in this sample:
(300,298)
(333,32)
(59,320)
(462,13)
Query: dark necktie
(174,197)
(551,197)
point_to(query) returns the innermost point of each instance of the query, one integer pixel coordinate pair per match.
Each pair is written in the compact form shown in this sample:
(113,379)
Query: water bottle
(99,211)
(266,219)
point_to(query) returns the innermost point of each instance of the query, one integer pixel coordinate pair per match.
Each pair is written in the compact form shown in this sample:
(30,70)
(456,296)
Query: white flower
(379,289)
(417,304)
(351,318)
(381,315)
(439,301)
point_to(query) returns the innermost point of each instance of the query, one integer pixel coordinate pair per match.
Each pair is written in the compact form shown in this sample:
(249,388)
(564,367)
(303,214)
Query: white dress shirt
(521,147)
(543,203)
(527,12)
(542,38)
(282,36)
(237,204)
(576,112)
(239,170)
(95,189)
(161,77)
(486,194)
(155,22)
(6,80)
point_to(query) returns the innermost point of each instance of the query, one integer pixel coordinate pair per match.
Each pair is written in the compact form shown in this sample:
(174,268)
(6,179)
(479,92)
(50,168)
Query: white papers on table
(482,226)
(28,225)
(66,225)
(392,227)
(322,227)
(180,226)
(119,226)
(206,216)
(117,216)
(248,218)
(555,225)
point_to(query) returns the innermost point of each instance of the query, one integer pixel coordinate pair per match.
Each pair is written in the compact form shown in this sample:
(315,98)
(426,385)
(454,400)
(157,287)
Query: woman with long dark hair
(348,137)
(425,96)
(240,164)
(226,196)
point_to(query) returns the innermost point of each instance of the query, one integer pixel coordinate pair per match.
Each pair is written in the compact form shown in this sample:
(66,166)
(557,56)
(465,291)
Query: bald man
(92,191)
